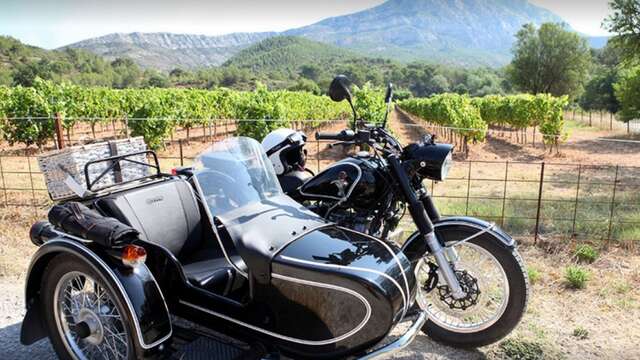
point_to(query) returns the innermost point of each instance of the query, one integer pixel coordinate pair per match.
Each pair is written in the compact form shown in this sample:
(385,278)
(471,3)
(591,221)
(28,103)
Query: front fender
(137,287)
(450,229)
(465,222)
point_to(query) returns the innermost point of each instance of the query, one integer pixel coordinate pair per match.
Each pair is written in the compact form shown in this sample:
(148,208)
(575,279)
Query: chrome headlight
(446,166)
(429,160)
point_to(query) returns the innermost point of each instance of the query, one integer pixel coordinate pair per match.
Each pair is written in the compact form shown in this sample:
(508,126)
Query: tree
(627,90)
(599,92)
(550,59)
(625,23)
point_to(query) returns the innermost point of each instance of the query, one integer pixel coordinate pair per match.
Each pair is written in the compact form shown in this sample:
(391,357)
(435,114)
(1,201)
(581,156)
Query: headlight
(446,166)
(431,161)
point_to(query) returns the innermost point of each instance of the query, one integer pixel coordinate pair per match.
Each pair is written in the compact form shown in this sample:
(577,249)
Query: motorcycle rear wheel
(462,326)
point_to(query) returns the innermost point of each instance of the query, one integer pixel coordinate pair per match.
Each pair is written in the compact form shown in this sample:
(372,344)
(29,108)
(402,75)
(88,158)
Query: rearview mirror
(339,89)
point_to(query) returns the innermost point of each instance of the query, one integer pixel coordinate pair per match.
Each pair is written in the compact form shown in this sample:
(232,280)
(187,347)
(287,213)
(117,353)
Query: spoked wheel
(494,282)
(86,320)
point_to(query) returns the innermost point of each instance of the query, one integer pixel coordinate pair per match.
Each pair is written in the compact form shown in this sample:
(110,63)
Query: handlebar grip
(341,136)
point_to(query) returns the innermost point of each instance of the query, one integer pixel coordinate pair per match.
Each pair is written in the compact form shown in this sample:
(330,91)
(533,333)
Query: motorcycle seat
(215,275)
(165,213)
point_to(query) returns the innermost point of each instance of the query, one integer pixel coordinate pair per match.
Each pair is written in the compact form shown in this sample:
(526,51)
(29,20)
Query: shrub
(534,275)
(516,349)
(581,333)
(577,277)
(586,253)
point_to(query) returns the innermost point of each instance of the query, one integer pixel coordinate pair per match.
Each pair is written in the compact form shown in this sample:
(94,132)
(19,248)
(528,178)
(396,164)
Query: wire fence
(603,120)
(543,201)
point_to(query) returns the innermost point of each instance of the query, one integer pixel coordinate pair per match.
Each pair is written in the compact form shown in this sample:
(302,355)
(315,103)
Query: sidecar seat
(167,213)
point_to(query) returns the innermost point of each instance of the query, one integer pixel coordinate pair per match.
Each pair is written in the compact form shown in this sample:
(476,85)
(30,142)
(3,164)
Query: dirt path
(12,311)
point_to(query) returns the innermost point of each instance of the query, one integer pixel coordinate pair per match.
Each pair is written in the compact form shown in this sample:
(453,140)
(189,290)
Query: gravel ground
(12,311)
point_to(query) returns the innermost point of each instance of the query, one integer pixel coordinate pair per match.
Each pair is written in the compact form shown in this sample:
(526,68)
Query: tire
(514,269)
(63,266)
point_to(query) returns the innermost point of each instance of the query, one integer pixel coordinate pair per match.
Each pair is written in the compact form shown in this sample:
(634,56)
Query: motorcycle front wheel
(494,278)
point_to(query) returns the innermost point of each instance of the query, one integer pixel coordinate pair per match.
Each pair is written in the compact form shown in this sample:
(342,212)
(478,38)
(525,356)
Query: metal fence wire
(544,201)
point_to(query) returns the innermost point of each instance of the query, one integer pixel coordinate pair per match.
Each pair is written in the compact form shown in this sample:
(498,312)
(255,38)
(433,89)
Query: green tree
(627,90)
(599,92)
(550,59)
(624,21)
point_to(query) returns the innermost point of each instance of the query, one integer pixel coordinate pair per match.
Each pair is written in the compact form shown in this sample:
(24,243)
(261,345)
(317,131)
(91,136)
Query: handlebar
(344,135)
(374,136)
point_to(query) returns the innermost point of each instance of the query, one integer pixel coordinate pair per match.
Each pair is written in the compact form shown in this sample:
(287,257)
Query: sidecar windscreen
(234,173)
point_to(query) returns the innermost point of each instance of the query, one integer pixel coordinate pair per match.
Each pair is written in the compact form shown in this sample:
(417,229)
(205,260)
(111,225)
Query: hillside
(21,64)
(462,32)
(286,54)
(465,32)
(166,51)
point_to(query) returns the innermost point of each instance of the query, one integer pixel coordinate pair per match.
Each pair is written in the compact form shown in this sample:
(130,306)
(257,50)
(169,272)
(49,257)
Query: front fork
(417,248)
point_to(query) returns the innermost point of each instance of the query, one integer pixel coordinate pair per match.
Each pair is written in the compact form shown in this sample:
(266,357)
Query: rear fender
(137,288)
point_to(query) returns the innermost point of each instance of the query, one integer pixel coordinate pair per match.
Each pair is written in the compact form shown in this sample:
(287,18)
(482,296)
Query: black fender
(137,287)
(468,226)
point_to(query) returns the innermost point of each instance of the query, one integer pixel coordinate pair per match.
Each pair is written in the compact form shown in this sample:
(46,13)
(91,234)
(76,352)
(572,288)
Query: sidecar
(213,261)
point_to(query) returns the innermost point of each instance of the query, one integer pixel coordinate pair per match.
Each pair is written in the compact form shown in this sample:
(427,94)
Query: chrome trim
(355,268)
(116,281)
(402,342)
(489,228)
(491,231)
(364,321)
(353,186)
(395,257)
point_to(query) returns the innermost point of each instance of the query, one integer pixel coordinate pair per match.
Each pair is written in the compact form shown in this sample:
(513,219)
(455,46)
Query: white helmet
(284,147)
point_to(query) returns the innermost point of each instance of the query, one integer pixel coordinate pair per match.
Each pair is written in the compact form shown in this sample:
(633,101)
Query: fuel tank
(334,289)
(359,179)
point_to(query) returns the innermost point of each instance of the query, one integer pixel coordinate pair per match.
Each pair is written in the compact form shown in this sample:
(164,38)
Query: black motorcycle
(216,262)
(472,281)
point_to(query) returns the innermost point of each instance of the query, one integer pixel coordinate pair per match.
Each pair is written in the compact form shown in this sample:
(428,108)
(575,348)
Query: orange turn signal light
(133,255)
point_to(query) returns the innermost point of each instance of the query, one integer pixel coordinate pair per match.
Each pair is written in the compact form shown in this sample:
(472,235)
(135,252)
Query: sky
(54,23)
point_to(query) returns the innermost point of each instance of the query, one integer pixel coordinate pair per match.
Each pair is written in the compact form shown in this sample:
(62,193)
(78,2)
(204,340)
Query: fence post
(126,126)
(537,229)
(318,154)
(4,186)
(575,206)
(610,121)
(59,135)
(181,156)
(33,189)
(466,212)
(504,193)
(613,205)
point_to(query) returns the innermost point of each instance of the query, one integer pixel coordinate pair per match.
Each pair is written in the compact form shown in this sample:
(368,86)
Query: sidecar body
(227,251)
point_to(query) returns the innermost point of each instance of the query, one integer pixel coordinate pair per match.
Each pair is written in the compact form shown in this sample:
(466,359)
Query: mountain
(288,53)
(21,64)
(165,51)
(457,32)
(463,32)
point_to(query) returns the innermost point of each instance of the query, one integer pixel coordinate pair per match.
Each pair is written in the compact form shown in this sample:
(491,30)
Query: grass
(581,333)
(519,349)
(586,253)
(534,275)
(576,277)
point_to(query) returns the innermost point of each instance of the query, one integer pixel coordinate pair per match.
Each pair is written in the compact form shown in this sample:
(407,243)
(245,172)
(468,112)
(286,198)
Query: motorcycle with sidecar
(213,261)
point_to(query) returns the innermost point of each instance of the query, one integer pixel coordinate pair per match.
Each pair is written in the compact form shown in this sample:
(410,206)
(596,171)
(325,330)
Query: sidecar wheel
(502,294)
(85,317)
